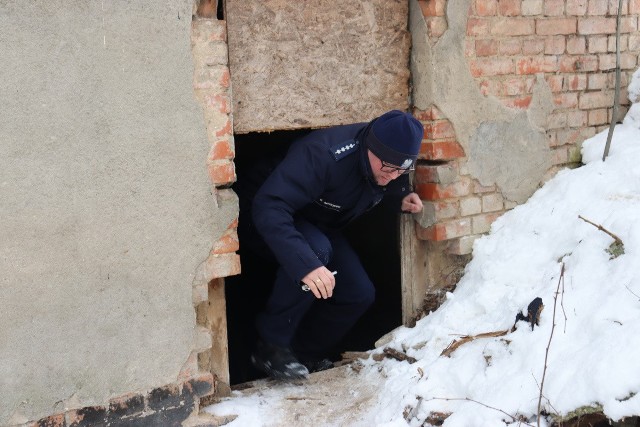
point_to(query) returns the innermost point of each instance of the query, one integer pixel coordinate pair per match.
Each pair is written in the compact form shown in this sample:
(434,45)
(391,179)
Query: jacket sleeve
(395,192)
(297,181)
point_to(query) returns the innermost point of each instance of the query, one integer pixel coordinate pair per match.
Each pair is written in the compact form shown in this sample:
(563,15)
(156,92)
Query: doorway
(374,236)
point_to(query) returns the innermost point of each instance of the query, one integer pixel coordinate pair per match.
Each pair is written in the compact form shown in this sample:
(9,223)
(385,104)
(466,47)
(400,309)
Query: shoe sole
(265,367)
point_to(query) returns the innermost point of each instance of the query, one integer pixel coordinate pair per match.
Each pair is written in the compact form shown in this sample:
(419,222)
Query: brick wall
(571,44)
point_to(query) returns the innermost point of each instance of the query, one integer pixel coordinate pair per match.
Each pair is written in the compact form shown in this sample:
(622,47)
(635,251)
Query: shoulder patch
(344,148)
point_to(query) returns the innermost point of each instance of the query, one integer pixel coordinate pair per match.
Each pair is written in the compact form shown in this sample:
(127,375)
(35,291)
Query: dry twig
(553,326)
(395,354)
(601,228)
(468,338)
(482,404)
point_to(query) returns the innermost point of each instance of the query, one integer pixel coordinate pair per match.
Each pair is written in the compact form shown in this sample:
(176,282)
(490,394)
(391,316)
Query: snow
(592,356)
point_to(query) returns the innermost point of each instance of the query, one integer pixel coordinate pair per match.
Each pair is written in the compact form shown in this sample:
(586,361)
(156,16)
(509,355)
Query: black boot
(318,365)
(278,362)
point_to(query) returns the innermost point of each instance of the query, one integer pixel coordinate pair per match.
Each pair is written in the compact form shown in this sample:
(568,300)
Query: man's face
(383,176)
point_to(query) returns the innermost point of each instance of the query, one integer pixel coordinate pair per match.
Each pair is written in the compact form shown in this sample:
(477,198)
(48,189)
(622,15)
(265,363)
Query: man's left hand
(412,203)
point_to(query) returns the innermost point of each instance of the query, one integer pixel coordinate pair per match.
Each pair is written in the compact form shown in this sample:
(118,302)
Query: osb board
(316,63)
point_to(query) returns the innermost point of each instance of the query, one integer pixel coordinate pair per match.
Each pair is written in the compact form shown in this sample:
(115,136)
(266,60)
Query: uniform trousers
(295,318)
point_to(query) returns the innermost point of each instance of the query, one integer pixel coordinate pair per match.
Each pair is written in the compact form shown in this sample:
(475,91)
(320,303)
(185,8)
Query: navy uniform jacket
(325,179)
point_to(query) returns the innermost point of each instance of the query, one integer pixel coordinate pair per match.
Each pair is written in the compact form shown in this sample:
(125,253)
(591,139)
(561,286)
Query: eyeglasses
(387,168)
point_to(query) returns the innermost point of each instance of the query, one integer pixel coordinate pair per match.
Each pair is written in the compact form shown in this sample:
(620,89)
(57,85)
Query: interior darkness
(374,236)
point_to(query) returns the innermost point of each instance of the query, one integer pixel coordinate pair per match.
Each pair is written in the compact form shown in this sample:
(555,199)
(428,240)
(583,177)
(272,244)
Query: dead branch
(553,327)
(395,354)
(601,228)
(479,403)
(468,338)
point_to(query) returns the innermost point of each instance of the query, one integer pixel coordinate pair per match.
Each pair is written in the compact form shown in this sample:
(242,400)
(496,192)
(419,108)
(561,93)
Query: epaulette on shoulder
(344,148)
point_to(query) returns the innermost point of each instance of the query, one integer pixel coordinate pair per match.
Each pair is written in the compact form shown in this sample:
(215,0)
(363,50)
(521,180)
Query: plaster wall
(503,146)
(107,212)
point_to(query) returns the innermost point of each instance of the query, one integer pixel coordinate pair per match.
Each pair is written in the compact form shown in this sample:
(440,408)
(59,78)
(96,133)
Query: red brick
(221,150)
(613,7)
(600,99)
(532,7)
(491,87)
(482,223)
(223,265)
(598,117)
(491,66)
(597,81)
(432,7)
(518,86)
(436,26)
(553,26)
(611,42)
(441,150)
(486,47)
(486,7)
(217,102)
(597,44)
(566,100)
(576,82)
(57,420)
(206,30)
(222,172)
(576,7)
(597,7)
(578,63)
(628,24)
(628,61)
(211,78)
(555,82)
(509,7)
(441,174)
(511,46)
(126,405)
(461,246)
(559,156)
(607,62)
(577,118)
(440,129)
(513,27)
(576,45)
(522,102)
(443,209)
(227,243)
(537,64)
(554,45)
(225,130)
(532,47)
(596,25)
(477,27)
(431,113)
(445,230)
(634,7)
(554,7)
(432,191)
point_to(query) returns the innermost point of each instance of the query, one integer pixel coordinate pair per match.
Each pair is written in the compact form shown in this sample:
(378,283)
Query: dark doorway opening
(374,236)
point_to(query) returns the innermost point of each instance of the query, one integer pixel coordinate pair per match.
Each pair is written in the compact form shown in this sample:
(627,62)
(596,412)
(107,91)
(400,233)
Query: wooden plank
(316,63)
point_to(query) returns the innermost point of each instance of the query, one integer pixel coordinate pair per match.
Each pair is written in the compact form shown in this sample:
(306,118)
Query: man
(327,179)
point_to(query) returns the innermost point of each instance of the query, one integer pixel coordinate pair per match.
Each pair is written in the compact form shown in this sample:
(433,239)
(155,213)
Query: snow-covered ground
(593,354)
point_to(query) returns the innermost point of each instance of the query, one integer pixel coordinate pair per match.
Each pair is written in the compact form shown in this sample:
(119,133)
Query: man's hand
(321,282)
(412,203)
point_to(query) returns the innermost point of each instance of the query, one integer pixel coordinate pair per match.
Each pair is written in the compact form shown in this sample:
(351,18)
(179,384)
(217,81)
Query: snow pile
(593,355)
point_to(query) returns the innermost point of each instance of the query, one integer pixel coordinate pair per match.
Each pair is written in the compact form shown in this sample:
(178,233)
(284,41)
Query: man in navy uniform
(327,179)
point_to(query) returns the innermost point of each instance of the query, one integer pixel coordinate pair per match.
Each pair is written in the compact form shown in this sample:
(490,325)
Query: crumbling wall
(111,229)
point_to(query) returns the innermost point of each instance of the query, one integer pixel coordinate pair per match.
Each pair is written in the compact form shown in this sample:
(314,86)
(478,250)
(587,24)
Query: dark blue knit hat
(395,138)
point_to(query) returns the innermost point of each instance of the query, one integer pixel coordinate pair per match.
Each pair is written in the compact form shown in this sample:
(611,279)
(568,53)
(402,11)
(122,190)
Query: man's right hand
(321,282)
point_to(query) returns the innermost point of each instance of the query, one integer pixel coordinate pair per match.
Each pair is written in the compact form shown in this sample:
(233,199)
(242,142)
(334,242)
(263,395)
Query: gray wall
(105,206)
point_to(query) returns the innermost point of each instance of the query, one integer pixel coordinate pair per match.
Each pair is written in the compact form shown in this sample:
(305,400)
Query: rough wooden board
(316,63)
